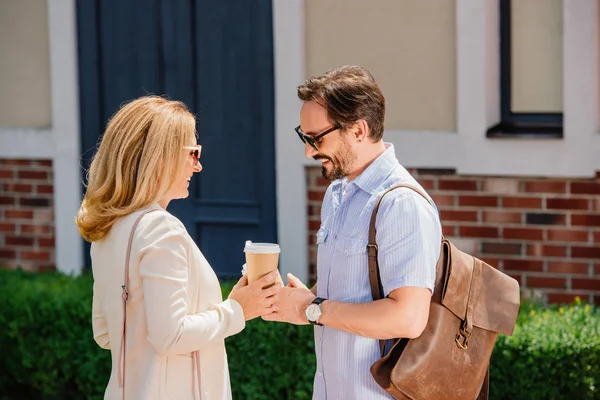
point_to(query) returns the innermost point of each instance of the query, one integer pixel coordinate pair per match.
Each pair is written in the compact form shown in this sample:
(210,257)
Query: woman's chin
(184,195)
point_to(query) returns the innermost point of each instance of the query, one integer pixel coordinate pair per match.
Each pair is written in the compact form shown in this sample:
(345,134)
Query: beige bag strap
(125,296)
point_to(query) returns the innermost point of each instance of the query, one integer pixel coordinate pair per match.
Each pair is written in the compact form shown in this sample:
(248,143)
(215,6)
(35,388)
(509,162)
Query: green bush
(47,350)
(554,353)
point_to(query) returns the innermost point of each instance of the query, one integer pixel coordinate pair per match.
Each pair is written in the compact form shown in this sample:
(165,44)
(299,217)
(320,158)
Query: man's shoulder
(401,179)
(404,197)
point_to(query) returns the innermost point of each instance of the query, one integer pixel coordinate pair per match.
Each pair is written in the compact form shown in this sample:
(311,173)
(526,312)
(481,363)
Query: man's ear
(361,130)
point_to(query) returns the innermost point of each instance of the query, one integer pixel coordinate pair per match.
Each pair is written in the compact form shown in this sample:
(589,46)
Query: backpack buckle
(462,338)
(462,341)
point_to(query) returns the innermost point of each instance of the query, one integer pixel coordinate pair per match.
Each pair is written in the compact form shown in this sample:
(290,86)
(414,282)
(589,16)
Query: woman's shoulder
(158,219)
(153,224)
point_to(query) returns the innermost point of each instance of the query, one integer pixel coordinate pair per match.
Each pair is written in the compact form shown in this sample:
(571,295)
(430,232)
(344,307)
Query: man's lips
(322,159)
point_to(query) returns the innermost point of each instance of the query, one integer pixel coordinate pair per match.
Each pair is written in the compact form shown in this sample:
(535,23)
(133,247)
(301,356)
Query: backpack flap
(496,299)
(499,301)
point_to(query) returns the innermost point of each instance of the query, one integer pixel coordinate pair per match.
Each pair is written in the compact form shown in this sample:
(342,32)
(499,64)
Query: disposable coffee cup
(261,258)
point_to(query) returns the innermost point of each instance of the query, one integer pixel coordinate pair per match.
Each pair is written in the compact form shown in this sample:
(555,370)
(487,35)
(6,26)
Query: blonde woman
(165,320)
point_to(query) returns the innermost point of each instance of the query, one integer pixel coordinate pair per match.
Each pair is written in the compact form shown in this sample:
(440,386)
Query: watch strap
(318,300)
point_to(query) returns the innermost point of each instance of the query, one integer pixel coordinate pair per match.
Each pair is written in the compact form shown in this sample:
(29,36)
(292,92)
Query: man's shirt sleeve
(408,236)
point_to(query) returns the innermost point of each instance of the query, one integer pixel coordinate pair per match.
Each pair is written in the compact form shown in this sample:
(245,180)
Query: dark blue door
(217,57)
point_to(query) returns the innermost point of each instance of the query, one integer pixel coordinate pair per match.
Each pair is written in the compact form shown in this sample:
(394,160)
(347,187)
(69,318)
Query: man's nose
(309,151)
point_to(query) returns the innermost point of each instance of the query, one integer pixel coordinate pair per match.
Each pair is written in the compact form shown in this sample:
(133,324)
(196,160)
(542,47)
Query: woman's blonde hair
(141,154)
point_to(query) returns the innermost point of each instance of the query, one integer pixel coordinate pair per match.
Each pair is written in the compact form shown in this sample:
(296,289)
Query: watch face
(313,312)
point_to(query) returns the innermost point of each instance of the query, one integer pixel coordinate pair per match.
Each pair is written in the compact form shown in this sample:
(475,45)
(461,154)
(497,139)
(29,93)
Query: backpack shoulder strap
(372,248)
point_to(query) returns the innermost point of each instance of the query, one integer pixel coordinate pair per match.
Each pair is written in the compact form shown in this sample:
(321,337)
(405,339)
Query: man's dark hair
(348,93)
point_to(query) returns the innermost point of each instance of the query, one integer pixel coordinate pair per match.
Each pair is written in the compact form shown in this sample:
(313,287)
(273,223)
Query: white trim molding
(425,149)
(62,22)
(292,229)
(26,143)
(60,143)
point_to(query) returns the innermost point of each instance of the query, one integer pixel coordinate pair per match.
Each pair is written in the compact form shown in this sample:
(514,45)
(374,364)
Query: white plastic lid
(261,248)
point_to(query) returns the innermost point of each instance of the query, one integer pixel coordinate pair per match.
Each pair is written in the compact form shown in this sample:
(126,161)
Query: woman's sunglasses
(195,152)
(312,140)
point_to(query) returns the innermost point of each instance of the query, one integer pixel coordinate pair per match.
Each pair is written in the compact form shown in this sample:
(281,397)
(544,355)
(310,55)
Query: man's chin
(326,174)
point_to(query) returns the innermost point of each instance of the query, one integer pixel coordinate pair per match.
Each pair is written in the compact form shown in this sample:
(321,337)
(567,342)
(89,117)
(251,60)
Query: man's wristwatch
(313,311)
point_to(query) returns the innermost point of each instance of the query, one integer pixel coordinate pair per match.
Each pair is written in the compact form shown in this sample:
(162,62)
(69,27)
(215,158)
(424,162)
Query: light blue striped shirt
(408,236)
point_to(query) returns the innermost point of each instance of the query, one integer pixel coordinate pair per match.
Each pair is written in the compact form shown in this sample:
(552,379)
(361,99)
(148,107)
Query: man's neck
(370,154)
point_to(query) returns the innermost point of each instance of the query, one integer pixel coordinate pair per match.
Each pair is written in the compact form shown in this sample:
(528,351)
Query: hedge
(47,350)
(554,353)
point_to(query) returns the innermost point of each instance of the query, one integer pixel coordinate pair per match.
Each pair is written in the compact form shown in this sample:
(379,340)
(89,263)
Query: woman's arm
(164,272)
(99,323)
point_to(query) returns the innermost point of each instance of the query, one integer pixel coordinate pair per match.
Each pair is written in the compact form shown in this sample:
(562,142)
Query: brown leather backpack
(472,303)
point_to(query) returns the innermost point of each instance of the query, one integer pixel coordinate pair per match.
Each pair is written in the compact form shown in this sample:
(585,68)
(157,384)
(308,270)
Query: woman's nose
(198,167)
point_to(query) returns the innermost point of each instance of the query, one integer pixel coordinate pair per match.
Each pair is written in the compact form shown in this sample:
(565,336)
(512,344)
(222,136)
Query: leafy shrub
(47,350)
(46,345)
(554,353)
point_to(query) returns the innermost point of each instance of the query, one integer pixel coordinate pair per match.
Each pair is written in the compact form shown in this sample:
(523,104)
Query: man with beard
(341,125)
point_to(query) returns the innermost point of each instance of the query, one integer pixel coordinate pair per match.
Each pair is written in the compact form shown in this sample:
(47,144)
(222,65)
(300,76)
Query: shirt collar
(378,171)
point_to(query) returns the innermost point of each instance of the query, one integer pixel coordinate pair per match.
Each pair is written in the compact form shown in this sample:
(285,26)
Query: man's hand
(290,303)
(294,282)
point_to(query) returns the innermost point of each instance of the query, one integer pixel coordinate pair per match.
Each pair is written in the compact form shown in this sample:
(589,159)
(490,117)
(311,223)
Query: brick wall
(545,232)
(26,214)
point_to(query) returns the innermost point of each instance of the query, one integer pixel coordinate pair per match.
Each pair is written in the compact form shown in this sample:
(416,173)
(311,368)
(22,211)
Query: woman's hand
(255,300)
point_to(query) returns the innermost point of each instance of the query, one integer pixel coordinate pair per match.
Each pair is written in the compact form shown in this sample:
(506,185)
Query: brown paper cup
(261,258)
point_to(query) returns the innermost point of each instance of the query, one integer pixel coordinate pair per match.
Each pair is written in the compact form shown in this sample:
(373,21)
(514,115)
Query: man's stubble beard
(340,164)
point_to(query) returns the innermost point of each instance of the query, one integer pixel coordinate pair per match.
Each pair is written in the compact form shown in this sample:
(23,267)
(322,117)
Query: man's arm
(408,234)
(403,314)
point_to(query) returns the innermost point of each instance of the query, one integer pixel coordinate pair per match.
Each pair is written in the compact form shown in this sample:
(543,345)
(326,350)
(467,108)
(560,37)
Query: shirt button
(318,338)
(320,373)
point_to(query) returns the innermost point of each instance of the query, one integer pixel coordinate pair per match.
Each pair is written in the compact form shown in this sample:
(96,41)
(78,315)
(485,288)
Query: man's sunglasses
(195,152)
(312,140)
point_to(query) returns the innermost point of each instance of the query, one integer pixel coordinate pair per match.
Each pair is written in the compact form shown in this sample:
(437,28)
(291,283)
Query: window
(530,69)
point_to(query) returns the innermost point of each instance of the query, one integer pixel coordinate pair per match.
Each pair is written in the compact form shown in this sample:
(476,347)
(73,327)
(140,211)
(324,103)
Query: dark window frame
(519,125)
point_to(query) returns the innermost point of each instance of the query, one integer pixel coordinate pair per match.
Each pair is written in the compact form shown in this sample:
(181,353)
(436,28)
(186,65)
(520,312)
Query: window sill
(506,130)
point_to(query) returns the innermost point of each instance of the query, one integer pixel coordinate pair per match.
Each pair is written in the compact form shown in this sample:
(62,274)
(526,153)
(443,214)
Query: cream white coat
(176,316)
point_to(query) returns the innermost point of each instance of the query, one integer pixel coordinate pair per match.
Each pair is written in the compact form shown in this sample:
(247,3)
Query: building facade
(493,105)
